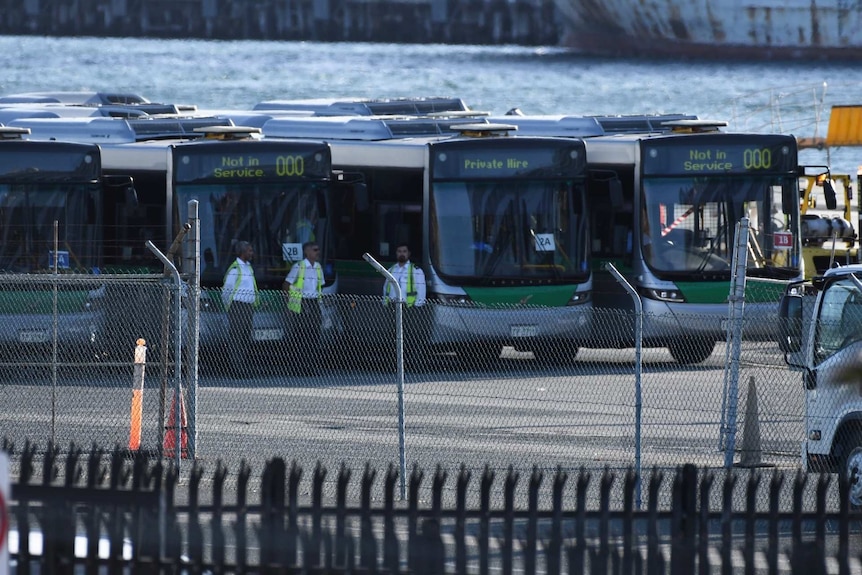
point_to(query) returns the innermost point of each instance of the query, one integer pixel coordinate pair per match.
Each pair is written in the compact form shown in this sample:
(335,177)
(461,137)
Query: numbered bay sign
(291,252)
(62,259)
(545,243)
(783,240)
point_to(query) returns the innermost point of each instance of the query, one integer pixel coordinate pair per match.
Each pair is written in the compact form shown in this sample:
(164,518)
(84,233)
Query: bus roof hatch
(228,132)
(694,126)
(484,130)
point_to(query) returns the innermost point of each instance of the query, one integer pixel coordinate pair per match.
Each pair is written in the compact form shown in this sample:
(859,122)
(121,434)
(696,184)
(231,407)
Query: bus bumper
(454,325)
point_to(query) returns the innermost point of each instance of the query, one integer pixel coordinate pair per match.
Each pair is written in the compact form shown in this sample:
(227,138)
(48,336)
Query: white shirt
(309,280)
(400,273)
(244,292)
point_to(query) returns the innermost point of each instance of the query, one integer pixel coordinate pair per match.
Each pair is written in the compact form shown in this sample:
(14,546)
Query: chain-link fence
(491,399)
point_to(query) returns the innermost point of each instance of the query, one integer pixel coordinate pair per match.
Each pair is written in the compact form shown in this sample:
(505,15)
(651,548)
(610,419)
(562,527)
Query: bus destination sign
(57,163)
(503,162)
(691,156)
(247,163)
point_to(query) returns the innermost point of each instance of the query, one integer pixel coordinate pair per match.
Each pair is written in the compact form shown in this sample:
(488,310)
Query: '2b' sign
(291,252)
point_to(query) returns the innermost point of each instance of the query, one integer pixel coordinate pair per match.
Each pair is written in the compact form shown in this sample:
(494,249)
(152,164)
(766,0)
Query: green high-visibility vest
(411,289)
(235,266)
(294,294)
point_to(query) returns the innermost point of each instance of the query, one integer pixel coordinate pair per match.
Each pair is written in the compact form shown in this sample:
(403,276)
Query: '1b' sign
(783,240)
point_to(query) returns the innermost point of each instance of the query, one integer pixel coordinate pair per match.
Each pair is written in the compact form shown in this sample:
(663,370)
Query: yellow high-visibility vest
(238,269)
(411,289)
(294,295)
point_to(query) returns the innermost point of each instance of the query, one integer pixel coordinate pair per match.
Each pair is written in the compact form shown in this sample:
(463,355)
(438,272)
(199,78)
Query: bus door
(399,223)
(611,201)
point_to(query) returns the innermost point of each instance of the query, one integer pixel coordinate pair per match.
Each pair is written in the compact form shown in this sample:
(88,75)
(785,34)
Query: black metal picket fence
(100,511)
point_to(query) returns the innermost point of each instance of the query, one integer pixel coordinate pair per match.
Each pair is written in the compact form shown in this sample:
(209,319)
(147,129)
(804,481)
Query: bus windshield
(688,225)
(275,218)
(507,230)
(27,216)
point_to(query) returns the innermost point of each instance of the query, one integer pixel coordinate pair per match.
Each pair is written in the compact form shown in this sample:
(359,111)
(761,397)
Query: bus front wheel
(691,351)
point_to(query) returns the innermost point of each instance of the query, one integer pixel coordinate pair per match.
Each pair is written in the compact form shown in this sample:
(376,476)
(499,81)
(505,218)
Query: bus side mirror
(615,193)
(790,198)
(360,196)
(790,323)
(128,184)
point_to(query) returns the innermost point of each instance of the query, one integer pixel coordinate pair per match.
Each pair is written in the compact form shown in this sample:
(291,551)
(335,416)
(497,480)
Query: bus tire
(479,355)
(692,351)
(555,354)
(850,466)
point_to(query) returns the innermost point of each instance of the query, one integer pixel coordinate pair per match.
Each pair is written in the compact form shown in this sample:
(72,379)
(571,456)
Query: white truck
(822,336)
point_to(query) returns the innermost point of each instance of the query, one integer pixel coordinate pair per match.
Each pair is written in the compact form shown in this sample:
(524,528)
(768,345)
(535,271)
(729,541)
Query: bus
(272,193)
(499,224)
(54,201)
(666,193)
(422,106)
(670,204)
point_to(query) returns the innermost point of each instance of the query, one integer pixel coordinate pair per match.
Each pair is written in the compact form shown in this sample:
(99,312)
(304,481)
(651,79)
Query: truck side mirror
(829,194)
(790,323)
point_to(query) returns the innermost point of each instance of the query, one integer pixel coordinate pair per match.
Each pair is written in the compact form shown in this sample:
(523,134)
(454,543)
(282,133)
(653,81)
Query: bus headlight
(580,297)
(454,299)
(667,295)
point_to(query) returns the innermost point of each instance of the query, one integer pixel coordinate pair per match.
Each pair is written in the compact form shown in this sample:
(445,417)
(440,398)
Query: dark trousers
(307,337)
(241,318)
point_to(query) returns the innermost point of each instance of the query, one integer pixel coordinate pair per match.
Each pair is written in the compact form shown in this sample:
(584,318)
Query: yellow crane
(828,234)
(829,237)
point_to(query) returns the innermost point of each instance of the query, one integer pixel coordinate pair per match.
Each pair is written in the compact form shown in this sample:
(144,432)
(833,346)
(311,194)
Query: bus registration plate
(268,334)
(33,336)
(525,330)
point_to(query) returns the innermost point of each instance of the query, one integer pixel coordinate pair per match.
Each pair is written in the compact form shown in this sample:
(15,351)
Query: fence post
(736,305)
(192,265)
(639,314)
(178,396)
(399,351)
(684,513)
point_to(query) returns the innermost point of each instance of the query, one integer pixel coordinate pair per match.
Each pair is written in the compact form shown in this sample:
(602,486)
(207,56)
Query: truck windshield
(689,225)
(486,231)
(840,319)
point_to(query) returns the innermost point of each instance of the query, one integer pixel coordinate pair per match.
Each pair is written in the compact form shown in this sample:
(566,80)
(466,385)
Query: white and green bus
(666,194)
(499,224)
(54,203)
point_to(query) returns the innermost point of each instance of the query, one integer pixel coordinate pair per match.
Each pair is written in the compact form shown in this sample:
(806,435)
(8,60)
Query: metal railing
(563,523)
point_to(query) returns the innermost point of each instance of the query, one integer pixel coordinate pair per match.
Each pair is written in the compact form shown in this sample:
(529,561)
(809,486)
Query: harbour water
(764,97)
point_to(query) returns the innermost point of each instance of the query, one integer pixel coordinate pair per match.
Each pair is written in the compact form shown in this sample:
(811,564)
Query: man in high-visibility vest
(304,287)
(411,278)
(239,296)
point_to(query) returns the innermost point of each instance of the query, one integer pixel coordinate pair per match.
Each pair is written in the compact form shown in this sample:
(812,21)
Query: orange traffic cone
(170,443)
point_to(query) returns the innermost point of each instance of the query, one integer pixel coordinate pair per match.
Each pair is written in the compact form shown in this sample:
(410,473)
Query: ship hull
(715,29)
